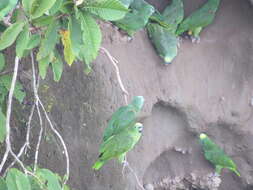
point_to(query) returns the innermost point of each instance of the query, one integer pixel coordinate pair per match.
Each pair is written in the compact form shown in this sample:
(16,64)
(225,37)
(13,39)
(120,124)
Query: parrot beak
(202,136)
(139,127)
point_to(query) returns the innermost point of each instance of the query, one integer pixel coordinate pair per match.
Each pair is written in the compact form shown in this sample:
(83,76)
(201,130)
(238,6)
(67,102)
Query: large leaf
(68,53)
(107,9)
(27,4)
(22,41)
(19,93)
(49,41)
(92,38)
(2,62)
(10,34)
(51,179)
(75,35)
(16,180)
(57,66)
(43,65)
(39,7)
(56,7)
(6,9)
(34,41)
(2,127)
(4,4)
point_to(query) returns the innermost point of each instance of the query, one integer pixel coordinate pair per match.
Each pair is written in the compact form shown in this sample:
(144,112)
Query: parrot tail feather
(237,172)
(98,165)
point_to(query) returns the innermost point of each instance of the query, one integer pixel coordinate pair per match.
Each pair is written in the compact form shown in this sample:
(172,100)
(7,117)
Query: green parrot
(118,145)
(137,18)
(216,155)
(199,19)
(162,33)
(164,41)
(6,6)
(123,117)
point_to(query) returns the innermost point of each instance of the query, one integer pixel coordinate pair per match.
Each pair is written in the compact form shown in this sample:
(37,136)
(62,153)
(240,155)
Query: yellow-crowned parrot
(118,145)
(137,18)
(199,19)
(216,155)
(162,33)
(123,117)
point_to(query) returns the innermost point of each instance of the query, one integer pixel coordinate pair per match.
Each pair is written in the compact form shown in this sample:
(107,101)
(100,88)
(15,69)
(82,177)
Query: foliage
(43,179)
(50,27)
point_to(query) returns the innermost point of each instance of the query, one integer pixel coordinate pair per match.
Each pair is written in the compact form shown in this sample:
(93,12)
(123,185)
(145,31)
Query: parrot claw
(195,40)
(216,174)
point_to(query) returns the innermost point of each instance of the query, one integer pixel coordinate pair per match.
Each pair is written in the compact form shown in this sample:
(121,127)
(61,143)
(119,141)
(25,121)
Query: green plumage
(199,19)
(164,41)
(137,18)
(162,33)
(123,117)
(216,155)
(118,145)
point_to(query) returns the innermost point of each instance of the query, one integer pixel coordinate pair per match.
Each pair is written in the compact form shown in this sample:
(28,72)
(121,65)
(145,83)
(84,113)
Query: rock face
(207,89)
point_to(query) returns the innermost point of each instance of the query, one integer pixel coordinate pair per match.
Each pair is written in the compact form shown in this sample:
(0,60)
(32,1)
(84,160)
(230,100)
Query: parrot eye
(140,129)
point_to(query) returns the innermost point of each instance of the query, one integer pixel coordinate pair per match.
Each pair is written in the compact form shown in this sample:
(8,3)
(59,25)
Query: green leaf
(33,42)
(10,34)
(39,7)
(49,41)
(22,41)
(2,128)
(3,185)
(75,35)
(68,53)
(11,5)
(51,178)
(2,62)
(4,4)
(107,9)
(27,5)
(43,65)
(16,180)
(43,21)
(19,94)
(56,7)
(57,66)
(92,38)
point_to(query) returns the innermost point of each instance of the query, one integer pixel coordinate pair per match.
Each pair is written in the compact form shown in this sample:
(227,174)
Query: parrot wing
(200,18)
(122,118)
(164,42)
(137,18)
(119,144)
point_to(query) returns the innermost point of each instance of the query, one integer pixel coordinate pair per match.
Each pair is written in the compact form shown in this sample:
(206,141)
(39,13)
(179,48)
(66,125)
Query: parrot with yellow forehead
(216,155)
(199,19)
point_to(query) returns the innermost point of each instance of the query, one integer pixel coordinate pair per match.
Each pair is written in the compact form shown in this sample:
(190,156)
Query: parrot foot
(179,41)
(216,174)
(195,40)
(125,163)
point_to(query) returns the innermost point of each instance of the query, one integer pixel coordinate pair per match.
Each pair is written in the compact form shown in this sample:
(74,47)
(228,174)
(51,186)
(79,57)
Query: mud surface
(208,88)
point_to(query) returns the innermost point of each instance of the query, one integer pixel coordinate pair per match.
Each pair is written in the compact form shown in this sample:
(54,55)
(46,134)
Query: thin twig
(61,139)
(8,114)
(35,89)
(135,175)
(7,122)
(114,62)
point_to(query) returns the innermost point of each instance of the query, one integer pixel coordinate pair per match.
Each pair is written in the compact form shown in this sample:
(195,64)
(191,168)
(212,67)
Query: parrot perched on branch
(123,117)
(162,33)
(216,155)
(137,18)
(199,19)
(118,145)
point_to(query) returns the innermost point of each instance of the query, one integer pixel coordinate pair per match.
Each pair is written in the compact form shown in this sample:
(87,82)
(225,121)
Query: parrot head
(138,102)
(139,127)
(167,60)
(202,136)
